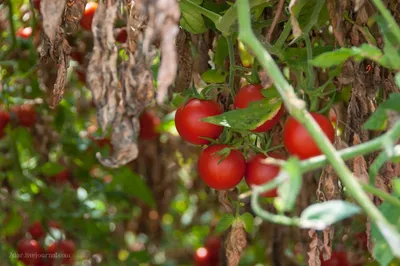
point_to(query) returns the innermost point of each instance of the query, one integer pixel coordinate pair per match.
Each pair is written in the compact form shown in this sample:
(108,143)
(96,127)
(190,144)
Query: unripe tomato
(26,115)
(122,35)
(29,252)
(189,125)
(221,175)
(87,19)
(252,93)
(4,120)
(36,230)
(297,140)
(258,172)
(338,258)
(202,257)
(24,33)
(148,125)
(66,247)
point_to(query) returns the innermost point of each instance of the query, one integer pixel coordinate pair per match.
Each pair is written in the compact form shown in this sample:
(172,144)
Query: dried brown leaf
(335,15)
(52,14)
(315,246)
(73,14)
(185,62)
(235,244)
(358,4)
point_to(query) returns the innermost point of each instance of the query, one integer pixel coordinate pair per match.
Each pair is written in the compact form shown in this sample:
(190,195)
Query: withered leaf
(73,14)
(293,20)
(315,245)
(52,14)
(359,164)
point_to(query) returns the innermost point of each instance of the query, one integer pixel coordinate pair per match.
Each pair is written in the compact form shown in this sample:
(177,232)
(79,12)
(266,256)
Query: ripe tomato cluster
(32,253)
(222,166)
(25,116)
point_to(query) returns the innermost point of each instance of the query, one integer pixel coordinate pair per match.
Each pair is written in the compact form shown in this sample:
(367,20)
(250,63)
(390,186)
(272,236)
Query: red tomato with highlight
(24,33)
(297,140)
(202,257)
(122,35)
(4,120)
(148,125)
(29,252)
(36,230)
(252,93)
(258,172)
(189,125)
(221,175)
(65,247)
(26,115)
(87,19)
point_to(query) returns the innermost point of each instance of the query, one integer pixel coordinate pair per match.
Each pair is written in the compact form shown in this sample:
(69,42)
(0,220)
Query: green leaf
(387,239)
(270,93)
(337,57)
(12,224)
(392,103)
(191,20)
(221,52)
(397,79)
(248,222)
(391,50)
(213,76)
(140,256)
(377,121)
(290,189)
(51,168)
(321,215)
(248,118)
(125,180)
(224,223)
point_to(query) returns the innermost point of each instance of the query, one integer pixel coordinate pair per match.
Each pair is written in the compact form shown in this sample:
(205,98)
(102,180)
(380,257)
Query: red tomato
(36,230)
(122,35)
(221,175)
(24,33)
(78,57)
(202,257)
(148,125)
(252,93)
(213,245)
(338,258)
(81,76)
(26,115)
(36,4)
(61,178)
(65,247)
(29,252)
(87,18)
(189,125)
(4,120)
(258,173)
(297,140)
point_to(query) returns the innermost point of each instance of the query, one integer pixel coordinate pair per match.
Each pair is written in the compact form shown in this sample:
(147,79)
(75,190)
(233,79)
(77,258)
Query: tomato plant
(61,177)
(25,114)
(259,172)
(188,121)
(252,93)
(122,35)
(36,230)
(298,141)
(86,21)
(148,125)
(4,120)
(218,172)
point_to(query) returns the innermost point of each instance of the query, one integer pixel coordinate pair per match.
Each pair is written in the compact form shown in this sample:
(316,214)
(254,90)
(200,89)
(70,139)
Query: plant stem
(282,38)
(274,218)
(231,64)
(381,194)
(296,107)
(314,17)
(392,24)
(351,152)
(11,21)
(310,69)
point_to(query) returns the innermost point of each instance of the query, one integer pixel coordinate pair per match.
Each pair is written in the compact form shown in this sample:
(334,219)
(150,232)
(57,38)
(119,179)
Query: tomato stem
(231,64)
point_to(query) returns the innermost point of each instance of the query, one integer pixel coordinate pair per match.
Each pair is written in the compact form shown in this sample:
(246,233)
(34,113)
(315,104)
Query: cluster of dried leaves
(120,92)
